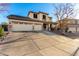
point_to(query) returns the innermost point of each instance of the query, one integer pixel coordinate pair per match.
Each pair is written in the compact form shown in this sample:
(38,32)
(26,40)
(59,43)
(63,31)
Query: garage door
(22,27)
(37,27)
(28,27)
(73,29)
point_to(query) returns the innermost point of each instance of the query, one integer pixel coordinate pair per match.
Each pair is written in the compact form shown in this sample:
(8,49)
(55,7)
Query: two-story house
(35,21)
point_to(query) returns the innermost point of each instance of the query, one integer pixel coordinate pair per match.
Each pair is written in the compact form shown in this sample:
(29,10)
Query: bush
(1,31)
(70,31)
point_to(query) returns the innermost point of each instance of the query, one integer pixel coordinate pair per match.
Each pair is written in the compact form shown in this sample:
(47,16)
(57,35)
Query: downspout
(76,25)
(33,27)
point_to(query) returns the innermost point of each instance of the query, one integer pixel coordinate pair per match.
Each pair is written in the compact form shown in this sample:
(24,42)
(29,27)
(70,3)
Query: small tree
(4,23)
(1,31)
(5,26)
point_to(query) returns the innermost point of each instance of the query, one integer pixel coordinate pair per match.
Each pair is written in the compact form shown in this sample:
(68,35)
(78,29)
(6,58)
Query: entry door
(44,26)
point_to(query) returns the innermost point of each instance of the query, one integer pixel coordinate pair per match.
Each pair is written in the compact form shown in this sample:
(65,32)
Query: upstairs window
(44,16)
(34,15)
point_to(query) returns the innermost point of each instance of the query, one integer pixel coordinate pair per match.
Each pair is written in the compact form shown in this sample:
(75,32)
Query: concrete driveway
(38,44)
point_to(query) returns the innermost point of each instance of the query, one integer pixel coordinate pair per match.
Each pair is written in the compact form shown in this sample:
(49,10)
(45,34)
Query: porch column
(10,27)
(49,27)
(33,27)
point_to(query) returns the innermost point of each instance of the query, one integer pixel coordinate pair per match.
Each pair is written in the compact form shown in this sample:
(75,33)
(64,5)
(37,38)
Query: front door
(44,26)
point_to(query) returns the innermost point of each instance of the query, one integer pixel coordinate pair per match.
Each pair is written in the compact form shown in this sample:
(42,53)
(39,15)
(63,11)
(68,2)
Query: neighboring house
(35,21)
(72,24)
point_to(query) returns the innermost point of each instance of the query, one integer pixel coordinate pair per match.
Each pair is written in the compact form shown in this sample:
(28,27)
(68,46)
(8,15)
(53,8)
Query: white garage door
(22,27)
(73,29)
(37,27)
(27,27)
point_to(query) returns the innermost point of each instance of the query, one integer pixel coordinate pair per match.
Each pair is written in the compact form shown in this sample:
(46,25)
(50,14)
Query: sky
(22,9)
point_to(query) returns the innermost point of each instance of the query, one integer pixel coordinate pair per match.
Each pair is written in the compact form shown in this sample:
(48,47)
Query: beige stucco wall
(48,19)
(78,22)
(40,16)
(10,20)
(71,21)
(30,15)
(78,29)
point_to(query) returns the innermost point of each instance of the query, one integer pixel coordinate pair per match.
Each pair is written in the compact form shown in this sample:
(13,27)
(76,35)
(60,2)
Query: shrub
(70,31)
(1,31)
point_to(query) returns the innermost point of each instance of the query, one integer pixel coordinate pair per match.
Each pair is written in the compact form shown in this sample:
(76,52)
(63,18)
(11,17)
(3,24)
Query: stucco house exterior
(72,24)
(35,21)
